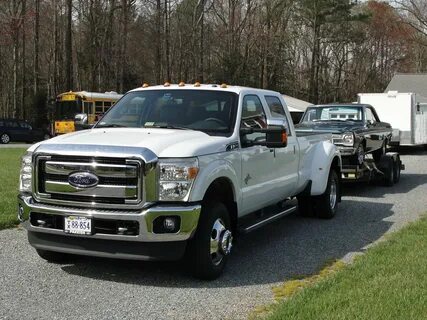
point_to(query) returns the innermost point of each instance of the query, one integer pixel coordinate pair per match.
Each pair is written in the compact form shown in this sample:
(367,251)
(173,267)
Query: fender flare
(218,169)
(325,154)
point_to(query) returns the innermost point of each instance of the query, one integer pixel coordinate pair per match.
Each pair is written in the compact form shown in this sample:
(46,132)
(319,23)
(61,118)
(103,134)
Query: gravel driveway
(90,288)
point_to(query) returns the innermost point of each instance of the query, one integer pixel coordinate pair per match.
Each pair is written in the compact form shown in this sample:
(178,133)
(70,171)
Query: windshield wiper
(167,126)
(110,125)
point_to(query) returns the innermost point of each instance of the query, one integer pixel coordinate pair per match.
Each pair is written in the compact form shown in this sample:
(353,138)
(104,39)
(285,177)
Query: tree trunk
(24,80)
(55,48)
(69,47)
(123,62)
(167,49)
(36,44)
(158,63)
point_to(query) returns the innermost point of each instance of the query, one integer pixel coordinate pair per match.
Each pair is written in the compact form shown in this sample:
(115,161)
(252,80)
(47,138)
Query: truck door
(286,160)
(377,132)
(257,171)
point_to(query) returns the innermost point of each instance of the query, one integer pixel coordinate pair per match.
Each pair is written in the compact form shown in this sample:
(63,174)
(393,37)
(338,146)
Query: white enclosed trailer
(406,112)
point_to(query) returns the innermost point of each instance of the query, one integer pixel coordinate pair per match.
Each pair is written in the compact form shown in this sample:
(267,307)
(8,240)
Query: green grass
(388,282)
(10,163)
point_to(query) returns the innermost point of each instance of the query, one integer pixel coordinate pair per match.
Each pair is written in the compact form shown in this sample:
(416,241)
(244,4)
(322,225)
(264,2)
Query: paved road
(99,289)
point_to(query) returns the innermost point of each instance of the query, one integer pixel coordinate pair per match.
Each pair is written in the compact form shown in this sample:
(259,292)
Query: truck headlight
(25,180)
(176,178)
(348,139)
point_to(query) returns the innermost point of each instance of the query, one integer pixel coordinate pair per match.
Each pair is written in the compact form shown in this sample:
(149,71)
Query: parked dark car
(356,129)
(12,130)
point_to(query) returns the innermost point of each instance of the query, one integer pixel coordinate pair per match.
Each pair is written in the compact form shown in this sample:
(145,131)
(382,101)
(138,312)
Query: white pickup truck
(173,171)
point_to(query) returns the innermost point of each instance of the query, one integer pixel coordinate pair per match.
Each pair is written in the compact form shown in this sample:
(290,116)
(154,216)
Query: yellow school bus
(78,110)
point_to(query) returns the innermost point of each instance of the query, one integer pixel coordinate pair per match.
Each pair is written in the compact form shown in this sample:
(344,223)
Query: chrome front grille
(120,181)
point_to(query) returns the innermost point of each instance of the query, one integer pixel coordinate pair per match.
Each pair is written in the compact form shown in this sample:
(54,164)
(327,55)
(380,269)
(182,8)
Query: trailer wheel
(387,167)
(326,204)
(208,251)
(396,172)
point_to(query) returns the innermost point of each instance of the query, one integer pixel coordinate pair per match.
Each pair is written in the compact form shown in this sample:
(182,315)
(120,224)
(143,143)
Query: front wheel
(327,203)
(5,138)
(208,251)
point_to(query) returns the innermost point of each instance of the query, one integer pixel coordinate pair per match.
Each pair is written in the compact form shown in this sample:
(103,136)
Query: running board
(262,222)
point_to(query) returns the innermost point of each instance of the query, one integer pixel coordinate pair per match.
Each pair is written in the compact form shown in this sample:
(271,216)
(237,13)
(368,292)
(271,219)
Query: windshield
(66,110)
(210,111)
(333,113)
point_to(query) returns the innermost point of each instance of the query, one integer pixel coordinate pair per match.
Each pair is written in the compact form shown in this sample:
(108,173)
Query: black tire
(396,167)
(377,154)
(326,204)
(388,170)
(204,264)
(53,256)
(4,138)
(305,206)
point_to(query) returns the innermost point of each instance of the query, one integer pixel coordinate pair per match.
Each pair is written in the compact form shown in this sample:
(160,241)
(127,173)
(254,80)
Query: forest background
(316,50)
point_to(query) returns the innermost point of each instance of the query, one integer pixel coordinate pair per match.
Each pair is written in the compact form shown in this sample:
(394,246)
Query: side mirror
(276,135)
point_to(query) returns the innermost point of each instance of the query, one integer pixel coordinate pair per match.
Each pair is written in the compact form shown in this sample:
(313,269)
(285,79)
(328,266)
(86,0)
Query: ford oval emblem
(83,179)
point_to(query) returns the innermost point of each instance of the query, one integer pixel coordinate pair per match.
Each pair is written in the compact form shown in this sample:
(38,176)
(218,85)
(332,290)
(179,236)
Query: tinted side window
(277,110)
(1,123)
(253,116)
(11,124)
(24,125)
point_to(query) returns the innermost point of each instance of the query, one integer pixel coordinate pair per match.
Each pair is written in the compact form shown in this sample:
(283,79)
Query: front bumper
(144,244)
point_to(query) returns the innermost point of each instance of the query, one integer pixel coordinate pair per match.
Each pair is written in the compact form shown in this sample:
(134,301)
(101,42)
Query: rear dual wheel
(325,205)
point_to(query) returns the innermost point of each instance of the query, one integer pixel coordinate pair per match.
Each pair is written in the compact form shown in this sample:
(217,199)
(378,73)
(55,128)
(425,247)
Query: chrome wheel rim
(5,138)
(221,242)
(333,194)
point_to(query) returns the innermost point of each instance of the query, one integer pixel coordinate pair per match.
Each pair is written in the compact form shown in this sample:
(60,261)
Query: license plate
(77,225)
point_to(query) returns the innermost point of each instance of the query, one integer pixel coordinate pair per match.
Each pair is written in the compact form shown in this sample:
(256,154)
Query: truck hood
(165,143)
(329,126)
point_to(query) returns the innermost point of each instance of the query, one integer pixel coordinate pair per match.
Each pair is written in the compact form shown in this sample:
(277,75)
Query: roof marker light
(167,84)
(145,85)
(181,84)
(223,85)
(197,84)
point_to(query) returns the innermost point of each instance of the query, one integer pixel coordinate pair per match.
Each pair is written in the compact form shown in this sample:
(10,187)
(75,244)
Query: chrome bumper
(188,213)
(346,151)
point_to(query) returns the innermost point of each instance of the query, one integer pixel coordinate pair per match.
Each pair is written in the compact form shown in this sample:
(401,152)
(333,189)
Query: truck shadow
(408,182)
(290,247)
